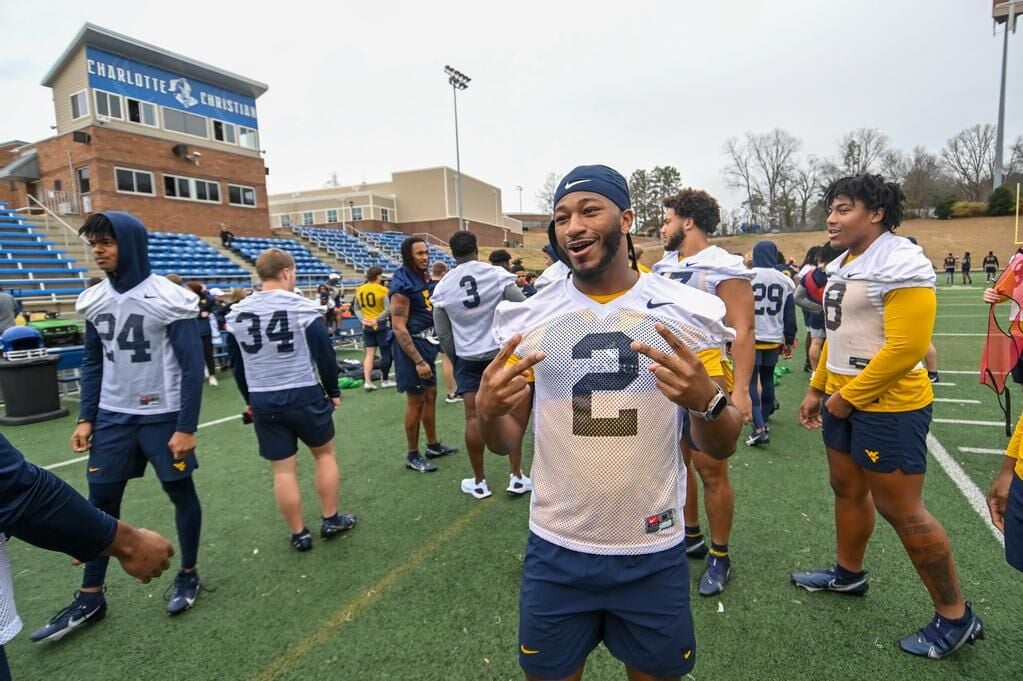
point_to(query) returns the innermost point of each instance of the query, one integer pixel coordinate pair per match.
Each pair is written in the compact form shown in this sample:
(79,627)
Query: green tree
(1001,202)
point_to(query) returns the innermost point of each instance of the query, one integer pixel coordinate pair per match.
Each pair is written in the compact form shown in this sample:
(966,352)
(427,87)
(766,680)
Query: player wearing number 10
(278,343)
(610,352)
(142,378)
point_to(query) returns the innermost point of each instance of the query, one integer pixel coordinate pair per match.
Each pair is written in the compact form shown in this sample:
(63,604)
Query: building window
(237,195)
(307,218)
(247,137)
(332,215)
(385,215)
(108,105)
(83,179)
(179,121)
(224,132)
(142,113)
(285,220)
(356,214)
(79,105)
(134,181)
(175,187)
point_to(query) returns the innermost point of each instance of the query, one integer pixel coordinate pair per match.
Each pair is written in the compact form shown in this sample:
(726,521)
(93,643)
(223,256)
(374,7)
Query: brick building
(168,138)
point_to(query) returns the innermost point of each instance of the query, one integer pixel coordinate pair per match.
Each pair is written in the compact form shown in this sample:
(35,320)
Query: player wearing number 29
(600,360)
(142,378)
(279,342)
(875,399)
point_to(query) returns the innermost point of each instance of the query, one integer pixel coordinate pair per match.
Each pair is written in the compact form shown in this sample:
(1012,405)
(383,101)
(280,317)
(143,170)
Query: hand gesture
(504,385)
(991,296)
(143,554)
(681,376)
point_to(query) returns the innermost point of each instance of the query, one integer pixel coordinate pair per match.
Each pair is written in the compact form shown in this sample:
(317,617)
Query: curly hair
(698,205)
(874,193)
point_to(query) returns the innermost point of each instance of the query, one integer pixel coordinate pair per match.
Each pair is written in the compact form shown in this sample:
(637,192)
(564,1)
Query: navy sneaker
(419,464)
(438,449)
(332,527)
(302,541)
(941,638)
(696,549)
(759,437)
(715,576)
(827,579)
(186,590)
(83,610)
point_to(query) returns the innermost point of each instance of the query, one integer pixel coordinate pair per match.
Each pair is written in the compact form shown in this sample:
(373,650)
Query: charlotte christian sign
(128,77)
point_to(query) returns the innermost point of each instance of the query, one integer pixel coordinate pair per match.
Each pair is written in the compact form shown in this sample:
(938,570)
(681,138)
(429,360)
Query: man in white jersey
(610,353)
(279,342)
(556,270)
(464,303)
(775,313)
(142,378)
(689,217)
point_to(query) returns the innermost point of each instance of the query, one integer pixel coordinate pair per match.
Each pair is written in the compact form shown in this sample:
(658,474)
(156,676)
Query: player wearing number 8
(142,377)
(278,344)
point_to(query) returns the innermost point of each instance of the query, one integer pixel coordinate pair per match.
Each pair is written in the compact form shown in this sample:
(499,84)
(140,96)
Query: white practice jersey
(703,271)
(10,623)
(557,271)
(854,298)
(469,294)
(270,327)
(771,289)
(608,475)
(141,373)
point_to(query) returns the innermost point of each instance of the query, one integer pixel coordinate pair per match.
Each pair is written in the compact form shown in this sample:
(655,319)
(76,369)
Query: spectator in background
(501,258)
(524,284)
(991,266)
(965,265)
(9,309)
(451,395)
(205,330)
(950,269)
(225,236)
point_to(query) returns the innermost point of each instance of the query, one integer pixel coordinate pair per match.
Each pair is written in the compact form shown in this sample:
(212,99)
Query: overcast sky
(359,89)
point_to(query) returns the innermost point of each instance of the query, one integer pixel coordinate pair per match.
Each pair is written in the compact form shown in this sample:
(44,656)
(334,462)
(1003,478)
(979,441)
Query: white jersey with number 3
(704,270)
(608,476)
(469,294)
(141,374)
(269,327)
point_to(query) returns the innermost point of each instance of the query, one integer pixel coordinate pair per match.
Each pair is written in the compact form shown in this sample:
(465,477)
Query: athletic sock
(719,550)
(694,535)
(90,596)
(847,575)
(431,445)
(962,620)
(413,453)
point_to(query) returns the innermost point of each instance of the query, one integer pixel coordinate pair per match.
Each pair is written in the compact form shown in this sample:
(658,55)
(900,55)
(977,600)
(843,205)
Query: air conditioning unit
(65,208)
(100,118)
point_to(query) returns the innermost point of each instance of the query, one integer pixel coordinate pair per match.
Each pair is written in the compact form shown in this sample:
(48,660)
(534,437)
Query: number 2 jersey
(141,372)
(608,476)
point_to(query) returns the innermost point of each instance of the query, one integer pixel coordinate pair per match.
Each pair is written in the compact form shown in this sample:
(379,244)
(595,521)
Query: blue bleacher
(192,258)
(30,264)
(390,243)
(349,249)
(310,269)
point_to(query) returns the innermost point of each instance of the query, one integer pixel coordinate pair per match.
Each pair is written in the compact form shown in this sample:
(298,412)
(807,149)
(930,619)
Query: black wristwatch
(715,407)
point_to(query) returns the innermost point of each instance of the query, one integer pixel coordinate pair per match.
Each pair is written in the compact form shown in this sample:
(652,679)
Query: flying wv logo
(873,455)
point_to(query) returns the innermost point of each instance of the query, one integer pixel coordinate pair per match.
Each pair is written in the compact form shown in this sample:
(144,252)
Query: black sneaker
(941,638)
(759,437)
(81,611)
(438,449)
(697,549)
(186,590)
(419,464)
(332,527)
(302,541)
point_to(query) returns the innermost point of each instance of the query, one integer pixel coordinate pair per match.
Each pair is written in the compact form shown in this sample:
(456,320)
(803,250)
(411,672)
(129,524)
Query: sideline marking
(958,422)
(969,489)
(981,450)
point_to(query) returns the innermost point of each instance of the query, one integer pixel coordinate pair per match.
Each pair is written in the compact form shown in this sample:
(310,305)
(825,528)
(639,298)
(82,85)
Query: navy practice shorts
(278,432)
(469,374)
(881,441)
(405,369)
(375,338)
(120,451)
(637,605)
(1014,525)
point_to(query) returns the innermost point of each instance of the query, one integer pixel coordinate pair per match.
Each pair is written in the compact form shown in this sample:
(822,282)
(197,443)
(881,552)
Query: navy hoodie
(765,254)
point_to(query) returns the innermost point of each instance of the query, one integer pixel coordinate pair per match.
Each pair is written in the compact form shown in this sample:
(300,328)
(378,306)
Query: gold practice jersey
(608,477)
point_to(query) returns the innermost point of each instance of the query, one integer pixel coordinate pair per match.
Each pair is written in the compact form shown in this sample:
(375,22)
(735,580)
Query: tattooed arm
(399,324)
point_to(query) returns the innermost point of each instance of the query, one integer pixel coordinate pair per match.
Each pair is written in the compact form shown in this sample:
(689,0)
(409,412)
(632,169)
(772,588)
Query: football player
(372,309)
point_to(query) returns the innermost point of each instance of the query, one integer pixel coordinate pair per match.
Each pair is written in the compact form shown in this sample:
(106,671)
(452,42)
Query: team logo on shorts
(873,455)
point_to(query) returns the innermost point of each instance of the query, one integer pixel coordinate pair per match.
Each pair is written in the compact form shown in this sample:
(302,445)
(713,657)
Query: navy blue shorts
(120,451)
(1014,524)
(637,605)
(405,369)
(881,441)
(766,358)
(375,338)
(278,432)
(468,374)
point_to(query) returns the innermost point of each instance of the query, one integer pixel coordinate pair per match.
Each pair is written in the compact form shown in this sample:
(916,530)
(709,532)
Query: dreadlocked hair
(97,226)
(406,251)
(874,193)
(698,205)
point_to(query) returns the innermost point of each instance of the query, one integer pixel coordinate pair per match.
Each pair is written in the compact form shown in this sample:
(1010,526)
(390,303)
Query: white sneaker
(453,398)
(213,381)
(477,490)
(518,485)
(368,387)
(388,384)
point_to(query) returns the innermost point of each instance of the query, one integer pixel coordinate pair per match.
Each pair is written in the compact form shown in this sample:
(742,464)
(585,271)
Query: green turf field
(426,587)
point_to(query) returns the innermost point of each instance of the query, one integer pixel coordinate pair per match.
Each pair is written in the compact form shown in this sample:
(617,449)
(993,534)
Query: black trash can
(28,379)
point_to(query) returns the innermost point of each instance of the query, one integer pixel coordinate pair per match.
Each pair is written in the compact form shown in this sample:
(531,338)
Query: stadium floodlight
(458,81)
(1007,13)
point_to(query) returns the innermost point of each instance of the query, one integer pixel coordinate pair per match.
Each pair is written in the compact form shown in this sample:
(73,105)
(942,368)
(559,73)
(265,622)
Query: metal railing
(69,233)
(61,202)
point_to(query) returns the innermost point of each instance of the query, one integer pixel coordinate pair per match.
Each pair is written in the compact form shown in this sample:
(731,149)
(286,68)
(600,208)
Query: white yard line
(979,335)
(959,422)
(981,450)
(971,372)
(955,401)
(65,463)
(969,489)
(947,385)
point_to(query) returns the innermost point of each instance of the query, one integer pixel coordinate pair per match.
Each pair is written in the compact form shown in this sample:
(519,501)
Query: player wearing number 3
(142,378)
(278,344)
(600,360)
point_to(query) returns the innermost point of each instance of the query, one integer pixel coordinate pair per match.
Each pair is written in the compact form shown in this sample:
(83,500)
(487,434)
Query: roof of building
(97,36)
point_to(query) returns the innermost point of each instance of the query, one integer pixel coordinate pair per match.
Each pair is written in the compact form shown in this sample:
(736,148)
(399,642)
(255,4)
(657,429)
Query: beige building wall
(72,79)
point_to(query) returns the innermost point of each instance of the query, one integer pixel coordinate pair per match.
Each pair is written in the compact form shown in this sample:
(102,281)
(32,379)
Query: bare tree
(545,194)
(924,179)
(970,158)
(1015,167)
(860,151)
(806,186)
(894,165)
(332,180)
(740,174)
(773,161)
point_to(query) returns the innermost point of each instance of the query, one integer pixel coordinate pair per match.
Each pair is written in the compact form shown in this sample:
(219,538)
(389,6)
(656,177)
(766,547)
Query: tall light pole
(1010,8)
(458,81)
(519,188)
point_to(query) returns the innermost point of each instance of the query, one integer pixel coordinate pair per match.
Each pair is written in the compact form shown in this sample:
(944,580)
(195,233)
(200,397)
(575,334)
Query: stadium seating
(390,243)
(192,258)
(30,265)
(311,270)
(348,249)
